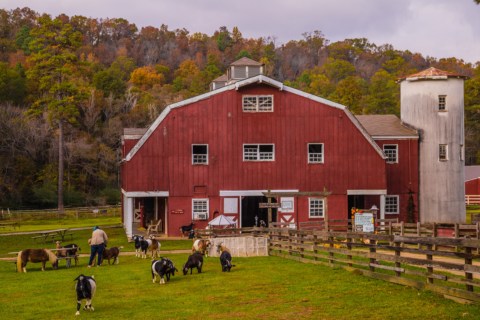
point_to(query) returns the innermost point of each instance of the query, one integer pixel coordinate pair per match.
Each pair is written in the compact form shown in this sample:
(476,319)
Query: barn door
(250,210)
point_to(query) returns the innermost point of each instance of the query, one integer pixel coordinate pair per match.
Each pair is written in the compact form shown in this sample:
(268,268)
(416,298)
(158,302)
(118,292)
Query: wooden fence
(449,266)
(79,212)
(393,227)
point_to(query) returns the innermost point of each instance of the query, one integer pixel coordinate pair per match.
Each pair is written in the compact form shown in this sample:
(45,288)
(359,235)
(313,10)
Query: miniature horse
(225,257)
(36,255)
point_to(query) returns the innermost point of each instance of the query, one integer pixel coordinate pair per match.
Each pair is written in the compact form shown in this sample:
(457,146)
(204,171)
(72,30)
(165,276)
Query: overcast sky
(435,28)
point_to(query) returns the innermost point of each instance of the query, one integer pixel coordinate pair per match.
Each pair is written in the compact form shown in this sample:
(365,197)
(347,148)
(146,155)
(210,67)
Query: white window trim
(308,153)
(387,204)
(195,214)
(446,152)
(258,152)
(396,152)
(310,207)
(194,154)
(257,104)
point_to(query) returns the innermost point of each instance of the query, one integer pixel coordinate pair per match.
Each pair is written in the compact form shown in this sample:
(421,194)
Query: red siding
(472,186)
(163,163)
(403,176)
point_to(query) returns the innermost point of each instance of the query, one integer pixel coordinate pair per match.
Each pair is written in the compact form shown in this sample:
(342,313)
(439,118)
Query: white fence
(472,199)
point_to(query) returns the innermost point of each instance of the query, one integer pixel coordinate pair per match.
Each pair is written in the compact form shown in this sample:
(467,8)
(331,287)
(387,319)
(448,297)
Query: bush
(110,196)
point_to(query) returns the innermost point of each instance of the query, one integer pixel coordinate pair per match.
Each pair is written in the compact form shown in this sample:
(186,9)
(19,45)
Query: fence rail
(472,199)
(448,266)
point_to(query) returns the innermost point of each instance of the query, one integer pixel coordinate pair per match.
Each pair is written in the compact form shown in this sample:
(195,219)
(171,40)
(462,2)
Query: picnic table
(54,235)
(12,224)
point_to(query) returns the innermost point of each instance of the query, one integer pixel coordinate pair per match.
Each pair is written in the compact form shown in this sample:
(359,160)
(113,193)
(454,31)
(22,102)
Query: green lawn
(257,288)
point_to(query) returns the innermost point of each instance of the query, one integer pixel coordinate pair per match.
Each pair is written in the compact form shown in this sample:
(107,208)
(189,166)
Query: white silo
(432,101)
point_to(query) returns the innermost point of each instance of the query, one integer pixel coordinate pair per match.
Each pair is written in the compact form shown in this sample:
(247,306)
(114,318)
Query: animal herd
(161,267)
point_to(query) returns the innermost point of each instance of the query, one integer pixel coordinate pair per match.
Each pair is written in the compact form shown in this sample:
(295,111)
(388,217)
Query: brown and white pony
(201,246)
(36,255)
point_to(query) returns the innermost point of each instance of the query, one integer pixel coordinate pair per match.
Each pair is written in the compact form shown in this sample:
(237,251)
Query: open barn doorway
(250,210)
(355,201)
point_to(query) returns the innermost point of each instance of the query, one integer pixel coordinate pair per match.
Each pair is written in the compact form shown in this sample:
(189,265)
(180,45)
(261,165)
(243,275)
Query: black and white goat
(138,244)
(187,228)
(225,257)
(85,287)
(162,268)
(195,260)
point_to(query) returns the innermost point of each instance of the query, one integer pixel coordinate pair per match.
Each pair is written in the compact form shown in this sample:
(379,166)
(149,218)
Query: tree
(53,73)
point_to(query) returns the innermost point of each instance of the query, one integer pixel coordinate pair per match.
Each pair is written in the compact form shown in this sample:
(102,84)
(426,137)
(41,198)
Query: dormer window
(442,103)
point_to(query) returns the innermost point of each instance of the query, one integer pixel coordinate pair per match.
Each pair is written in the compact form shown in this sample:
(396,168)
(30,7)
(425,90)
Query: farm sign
(364,222)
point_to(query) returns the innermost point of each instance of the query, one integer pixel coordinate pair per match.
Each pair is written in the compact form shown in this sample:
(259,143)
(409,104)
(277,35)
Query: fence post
(349,247)
(372,249)
(330,252)
(468,261)
(429,266)
(397,255)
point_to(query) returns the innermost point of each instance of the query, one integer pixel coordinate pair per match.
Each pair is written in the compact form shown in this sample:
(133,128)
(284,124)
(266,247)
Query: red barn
(224,150)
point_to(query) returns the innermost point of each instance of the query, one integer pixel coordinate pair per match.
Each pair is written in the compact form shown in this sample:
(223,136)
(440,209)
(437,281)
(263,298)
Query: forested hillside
(76,82)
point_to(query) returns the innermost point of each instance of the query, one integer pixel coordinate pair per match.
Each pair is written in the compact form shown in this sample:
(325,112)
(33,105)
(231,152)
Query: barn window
(442,152)
(391,151)
(315,208)
(315,153)
(200,209)
(391,204)
(258,152)
(200,154)
(442,103)
(257,103)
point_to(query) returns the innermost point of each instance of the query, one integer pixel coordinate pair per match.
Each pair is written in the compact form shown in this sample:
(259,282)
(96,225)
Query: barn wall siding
(163,163)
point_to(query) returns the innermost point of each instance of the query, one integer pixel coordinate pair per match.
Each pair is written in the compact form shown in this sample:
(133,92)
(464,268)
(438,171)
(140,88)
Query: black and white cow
(162,268)
(194,261)
(85,287)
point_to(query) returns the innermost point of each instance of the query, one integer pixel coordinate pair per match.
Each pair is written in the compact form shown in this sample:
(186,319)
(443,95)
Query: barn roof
(244,61)
(432,74)
(222,78)
(383,126)
(133,133)
(260,79)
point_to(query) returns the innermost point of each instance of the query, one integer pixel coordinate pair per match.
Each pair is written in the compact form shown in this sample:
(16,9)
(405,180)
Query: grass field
(257,288)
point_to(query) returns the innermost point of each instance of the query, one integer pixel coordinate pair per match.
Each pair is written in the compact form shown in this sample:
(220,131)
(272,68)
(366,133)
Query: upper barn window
(315,153)
(258,152)
(200,154)
(257,103)
(391,151)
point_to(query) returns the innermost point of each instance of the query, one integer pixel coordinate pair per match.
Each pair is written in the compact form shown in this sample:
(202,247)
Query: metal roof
(432,73)
(386,126)
(246,62)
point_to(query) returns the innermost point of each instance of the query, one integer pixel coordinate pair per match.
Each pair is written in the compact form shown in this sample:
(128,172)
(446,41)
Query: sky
(434,28)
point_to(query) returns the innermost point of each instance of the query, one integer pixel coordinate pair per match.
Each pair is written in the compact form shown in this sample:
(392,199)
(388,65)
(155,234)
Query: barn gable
(257,80)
